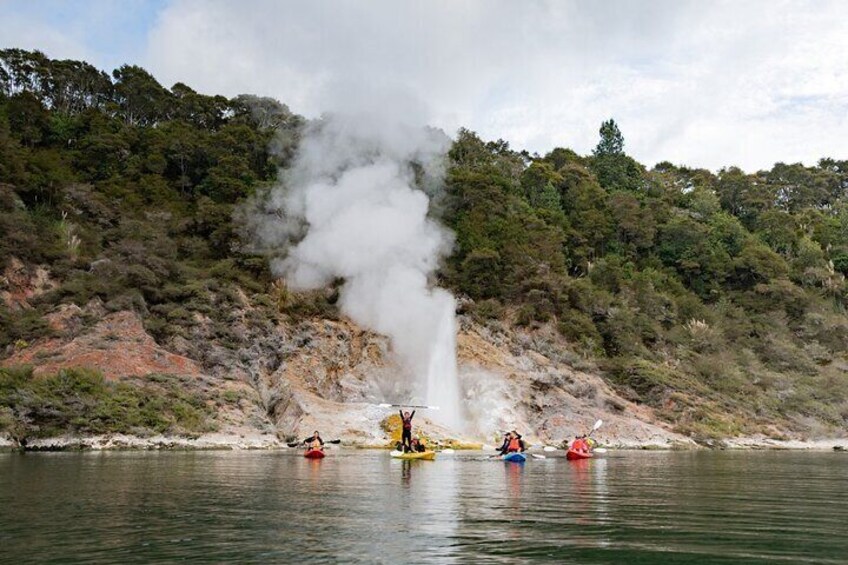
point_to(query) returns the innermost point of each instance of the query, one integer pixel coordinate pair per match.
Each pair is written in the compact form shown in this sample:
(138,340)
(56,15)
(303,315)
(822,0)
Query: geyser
(350,208)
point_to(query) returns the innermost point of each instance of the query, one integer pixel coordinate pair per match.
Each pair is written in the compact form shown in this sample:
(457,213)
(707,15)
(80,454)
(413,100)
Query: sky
(699,83)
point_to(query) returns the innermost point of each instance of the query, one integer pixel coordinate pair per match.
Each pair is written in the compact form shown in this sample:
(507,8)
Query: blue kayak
(515,457)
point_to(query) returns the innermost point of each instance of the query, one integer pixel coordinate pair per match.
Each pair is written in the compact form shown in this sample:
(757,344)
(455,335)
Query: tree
(757,263)
(23,71)
(73,86)
(539,182)
(614,169)
(612,142)
(743,196)
(28,118)
(205,112)
(634,224)
(585,205)
(140,98)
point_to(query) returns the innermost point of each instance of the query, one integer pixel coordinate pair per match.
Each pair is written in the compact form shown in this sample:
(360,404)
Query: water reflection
(366,507)
(406,472)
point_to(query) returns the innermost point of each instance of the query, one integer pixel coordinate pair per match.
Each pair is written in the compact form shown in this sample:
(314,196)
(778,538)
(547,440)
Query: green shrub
(81,401)
(22,326)
(489,309)
(579,329)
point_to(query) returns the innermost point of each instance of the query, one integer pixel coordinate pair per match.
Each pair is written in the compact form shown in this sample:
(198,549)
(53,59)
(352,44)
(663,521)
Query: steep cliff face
(287,379)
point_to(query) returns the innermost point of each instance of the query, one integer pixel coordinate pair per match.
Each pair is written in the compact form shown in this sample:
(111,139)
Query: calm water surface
(362,506)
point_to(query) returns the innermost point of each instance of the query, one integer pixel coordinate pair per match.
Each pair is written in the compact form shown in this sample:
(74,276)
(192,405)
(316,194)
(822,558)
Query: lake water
(362,506)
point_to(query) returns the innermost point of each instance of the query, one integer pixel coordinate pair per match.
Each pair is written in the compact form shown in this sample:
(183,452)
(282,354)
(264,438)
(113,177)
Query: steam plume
(352,209)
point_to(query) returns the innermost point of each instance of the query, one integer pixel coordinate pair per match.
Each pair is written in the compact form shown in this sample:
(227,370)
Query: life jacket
(514,445)
(580,444)
(407,423)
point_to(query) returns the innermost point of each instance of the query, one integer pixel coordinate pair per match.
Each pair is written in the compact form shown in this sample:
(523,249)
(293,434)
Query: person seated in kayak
(418,445)
(406,434)
(504,443)
(580,444)
(314,441)
(513,443)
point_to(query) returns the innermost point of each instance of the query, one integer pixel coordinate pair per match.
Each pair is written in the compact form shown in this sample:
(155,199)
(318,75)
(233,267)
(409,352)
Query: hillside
(676,303)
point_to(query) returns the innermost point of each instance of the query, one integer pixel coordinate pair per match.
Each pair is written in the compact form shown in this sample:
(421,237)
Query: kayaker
(406,433)
(580,444)
(420,446)
(513,443)
(314,441)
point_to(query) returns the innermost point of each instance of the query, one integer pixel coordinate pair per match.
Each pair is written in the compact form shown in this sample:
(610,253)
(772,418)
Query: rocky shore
(222,441)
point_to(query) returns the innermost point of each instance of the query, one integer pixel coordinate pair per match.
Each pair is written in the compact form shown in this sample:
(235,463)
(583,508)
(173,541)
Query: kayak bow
(572,455)
(314,454)
(423,455)
(515,457)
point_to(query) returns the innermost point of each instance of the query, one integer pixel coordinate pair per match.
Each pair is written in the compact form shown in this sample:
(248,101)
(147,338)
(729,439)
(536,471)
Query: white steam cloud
(351,207)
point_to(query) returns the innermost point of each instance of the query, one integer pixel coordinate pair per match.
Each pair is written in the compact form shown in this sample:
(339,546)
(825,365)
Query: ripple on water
(357,506)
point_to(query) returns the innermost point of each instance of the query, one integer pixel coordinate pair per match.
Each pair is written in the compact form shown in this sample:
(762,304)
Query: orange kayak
(572,455)
(314,454)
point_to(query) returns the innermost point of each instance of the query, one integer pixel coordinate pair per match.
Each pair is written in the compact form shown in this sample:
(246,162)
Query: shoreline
(239,442)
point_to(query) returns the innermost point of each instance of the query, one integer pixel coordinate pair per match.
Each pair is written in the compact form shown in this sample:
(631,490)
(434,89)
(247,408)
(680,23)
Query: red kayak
(314,454)
(572,455)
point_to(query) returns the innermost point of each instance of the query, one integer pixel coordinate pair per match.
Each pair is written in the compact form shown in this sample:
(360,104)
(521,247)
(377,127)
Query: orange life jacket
(514,445)
(579,445)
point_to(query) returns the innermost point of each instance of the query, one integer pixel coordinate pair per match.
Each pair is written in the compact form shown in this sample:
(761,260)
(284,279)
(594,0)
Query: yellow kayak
(426,455)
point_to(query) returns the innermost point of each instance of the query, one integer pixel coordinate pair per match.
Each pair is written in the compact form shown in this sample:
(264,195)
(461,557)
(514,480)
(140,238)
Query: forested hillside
(716,298)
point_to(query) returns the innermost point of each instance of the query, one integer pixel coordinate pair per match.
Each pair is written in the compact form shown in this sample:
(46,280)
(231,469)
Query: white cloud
(695,82)
(21,30)
(106,33)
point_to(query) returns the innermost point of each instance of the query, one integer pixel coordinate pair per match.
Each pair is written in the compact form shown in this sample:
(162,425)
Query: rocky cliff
(281,379)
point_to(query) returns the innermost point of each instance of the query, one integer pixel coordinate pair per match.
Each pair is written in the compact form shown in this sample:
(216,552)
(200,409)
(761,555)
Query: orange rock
(118,347)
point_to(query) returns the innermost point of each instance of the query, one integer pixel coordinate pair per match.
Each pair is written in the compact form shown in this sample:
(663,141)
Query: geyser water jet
(442,375)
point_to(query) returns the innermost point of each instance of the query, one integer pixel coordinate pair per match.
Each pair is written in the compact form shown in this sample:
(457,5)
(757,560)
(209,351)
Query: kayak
(423,455)
(577,455)
(314,454)
(514,457)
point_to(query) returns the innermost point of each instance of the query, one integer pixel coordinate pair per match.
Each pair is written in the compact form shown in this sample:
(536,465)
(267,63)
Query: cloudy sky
(702,83)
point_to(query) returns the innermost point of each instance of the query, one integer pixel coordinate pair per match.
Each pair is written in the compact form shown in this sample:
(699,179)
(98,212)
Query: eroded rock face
(291,379)
(524,381)
(118,346)
(20,283)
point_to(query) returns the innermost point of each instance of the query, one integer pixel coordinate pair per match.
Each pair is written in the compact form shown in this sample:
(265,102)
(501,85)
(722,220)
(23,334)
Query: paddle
(497,455)
(296,443)
(549,448)
(537,456)
(597,425)
(407,406)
